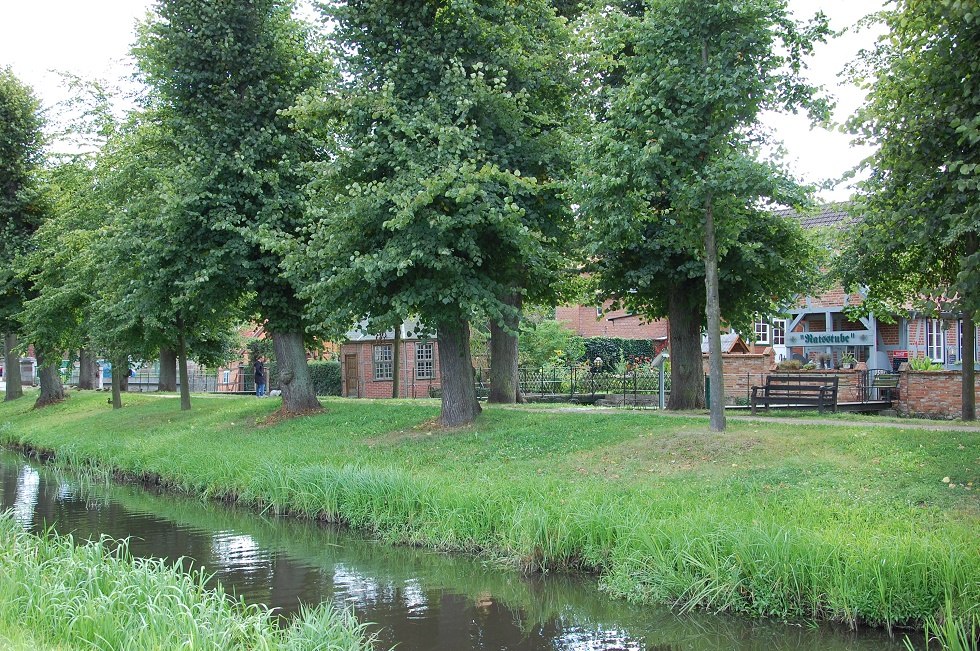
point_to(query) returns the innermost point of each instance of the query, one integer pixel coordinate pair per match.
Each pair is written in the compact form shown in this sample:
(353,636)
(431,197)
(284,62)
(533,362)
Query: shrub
(924,364)
(326,378)
(612,350)
(548,342)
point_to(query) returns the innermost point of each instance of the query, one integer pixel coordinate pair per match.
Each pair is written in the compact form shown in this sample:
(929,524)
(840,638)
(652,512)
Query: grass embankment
(837,521)
(55,595)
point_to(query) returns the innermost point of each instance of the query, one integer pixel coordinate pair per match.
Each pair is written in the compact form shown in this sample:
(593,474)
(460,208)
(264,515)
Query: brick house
(818,328)
(368,363)
(600,321)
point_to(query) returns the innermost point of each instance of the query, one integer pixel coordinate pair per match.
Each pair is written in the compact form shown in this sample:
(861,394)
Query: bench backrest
(885,381)
(802,383)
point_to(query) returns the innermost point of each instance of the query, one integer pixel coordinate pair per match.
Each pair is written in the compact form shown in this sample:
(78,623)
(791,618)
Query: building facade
(368,364)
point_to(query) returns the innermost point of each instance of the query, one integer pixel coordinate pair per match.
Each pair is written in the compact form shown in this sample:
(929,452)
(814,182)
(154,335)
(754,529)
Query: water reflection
(28,487)
(418,600)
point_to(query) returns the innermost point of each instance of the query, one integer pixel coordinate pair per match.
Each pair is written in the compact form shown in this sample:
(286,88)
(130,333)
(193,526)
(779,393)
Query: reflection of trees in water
(419,599)
(28,482)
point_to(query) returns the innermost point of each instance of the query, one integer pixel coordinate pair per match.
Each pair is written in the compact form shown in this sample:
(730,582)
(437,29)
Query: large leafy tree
(22,208)
(440,198)
(673,182)
(920,206)
(224,73)
(61,267)
(160,284)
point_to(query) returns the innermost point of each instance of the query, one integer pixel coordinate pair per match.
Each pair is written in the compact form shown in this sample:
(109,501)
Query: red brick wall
(368,387)
(834,297)
(582,319)
(888,333)
(917,337)
(741,371)
(934,394)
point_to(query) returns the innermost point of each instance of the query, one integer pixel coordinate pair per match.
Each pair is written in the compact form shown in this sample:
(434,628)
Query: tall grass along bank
(845,522)
(56,595)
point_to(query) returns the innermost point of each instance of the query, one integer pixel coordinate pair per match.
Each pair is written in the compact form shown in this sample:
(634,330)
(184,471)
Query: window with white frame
(761,332)
(934,340)
(959,343)
(226,377)
(423,361)
(383,362)
(779,332)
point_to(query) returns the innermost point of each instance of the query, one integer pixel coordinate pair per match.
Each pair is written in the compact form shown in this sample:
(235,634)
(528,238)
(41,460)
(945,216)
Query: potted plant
(847,360)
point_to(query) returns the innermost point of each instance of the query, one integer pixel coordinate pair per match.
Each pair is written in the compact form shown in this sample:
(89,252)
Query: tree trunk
(686,361)
(396,361)
(504,380)
(117,381)
(459,403)
(185,384)
(715,370)
(298,394)
(11,369)
(969,406)
(86,370)
(969,401)
(52,391)
(124,377)
(168,370)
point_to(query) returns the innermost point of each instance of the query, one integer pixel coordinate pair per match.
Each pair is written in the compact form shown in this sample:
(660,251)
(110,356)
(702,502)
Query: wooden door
(350,376)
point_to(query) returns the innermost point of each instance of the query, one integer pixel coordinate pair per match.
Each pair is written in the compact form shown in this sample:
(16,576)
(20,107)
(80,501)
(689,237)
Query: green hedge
(609,349)
(326,378)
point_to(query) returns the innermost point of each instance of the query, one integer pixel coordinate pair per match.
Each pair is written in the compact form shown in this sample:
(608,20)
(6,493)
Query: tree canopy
(673,183)
(22,202)
(224,74)
(916,242)
(441,197)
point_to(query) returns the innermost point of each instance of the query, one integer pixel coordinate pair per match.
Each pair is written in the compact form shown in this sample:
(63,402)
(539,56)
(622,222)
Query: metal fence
(577,382)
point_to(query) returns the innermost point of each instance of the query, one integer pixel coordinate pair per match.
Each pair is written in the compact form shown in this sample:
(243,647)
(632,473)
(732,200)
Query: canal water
(415,599)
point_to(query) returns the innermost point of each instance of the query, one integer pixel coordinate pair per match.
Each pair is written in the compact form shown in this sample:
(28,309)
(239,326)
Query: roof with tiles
(834,214)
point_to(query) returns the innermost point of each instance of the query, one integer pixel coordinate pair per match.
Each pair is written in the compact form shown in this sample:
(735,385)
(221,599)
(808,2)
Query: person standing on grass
(259,367)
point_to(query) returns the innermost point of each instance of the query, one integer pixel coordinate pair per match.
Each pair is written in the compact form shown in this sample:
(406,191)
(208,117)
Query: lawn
(847,520)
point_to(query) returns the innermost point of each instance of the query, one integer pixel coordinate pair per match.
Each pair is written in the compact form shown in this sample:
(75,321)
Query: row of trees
(450,160)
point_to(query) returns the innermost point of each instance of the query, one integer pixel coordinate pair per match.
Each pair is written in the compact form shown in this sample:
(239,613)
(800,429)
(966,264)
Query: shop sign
(833,338)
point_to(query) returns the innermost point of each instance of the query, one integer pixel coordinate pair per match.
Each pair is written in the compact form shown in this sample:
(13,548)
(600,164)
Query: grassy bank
(55,595)
(836,521)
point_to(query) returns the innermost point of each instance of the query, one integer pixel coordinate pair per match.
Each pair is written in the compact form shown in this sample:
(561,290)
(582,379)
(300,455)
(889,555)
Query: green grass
(803,522)
(56,595)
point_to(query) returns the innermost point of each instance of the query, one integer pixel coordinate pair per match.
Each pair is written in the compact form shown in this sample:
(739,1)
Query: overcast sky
(91,38)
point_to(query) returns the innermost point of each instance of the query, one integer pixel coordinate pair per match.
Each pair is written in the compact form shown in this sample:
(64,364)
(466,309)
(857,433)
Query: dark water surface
(418,600)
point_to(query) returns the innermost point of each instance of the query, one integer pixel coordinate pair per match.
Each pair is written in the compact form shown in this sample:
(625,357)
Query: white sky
(91,38)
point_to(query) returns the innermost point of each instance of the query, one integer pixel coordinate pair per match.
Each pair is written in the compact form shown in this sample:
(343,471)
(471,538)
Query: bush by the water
(326,378)
(56,595)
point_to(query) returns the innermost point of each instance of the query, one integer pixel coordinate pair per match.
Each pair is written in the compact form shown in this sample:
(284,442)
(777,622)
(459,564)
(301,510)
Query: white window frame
(762,331)
(935,340)
(424,361)
(779,326)
(384,367)
(226,377)
(959,342)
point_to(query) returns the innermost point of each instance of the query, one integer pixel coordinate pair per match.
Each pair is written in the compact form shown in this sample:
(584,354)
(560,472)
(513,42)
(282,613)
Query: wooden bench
(803,391)
(887,385)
